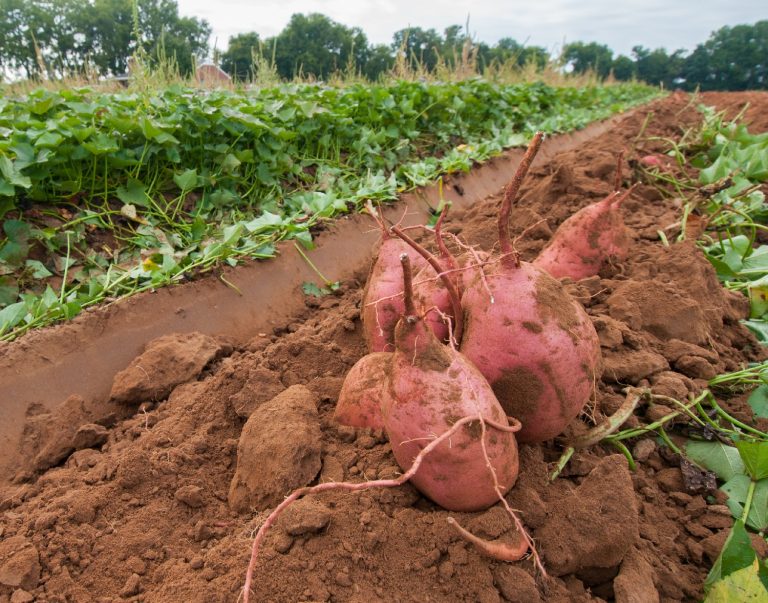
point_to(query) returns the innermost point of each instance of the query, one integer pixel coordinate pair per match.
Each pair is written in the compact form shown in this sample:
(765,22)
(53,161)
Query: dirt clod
(166,362)
(279,450)
(634,584)
(19,563)
(590,529)
(190,495)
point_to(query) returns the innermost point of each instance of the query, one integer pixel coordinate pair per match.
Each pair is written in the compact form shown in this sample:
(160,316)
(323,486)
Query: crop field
(105,195)
(413,342)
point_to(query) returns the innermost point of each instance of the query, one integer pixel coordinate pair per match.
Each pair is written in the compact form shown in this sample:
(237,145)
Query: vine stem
(748,503)
(510,196)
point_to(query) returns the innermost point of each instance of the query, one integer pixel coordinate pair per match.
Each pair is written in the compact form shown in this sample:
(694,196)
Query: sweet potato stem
(405,262)
(510,196)
(379,483)
(378,217)
(444,253)
(458,314)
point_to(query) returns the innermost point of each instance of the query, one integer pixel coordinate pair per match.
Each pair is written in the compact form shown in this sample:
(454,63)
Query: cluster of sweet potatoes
(483,336)
(469,355)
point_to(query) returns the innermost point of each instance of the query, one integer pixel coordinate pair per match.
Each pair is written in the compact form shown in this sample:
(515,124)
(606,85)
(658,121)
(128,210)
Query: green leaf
(101,144)
(266,221)
(9,292)
(313,289)
(49,140)
(759,329)
(230,163)
(755,457)
(758,400)
(186,180)
(12,315)
(37,269)
(17,230)
(133,193)
(723,460)
(737,489)
(231,234)
(737,554)
(743,585)
(305,238)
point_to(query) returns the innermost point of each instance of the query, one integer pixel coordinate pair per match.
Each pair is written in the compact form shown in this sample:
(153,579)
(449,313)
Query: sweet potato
(365,387)
(382,303)
(535,344)
(586,241)
(431,387)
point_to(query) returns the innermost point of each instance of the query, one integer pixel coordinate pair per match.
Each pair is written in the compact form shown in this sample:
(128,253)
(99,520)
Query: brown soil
(153,493)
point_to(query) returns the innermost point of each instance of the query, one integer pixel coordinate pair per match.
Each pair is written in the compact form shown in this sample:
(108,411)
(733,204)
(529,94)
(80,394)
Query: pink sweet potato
(433,386)
(382,303)
(365,387)
(587,240)
(534,344)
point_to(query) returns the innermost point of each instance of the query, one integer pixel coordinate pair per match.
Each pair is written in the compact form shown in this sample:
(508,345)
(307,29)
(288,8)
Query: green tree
(57,37)
(421,47)
(380,62)
(733,58)
(42,37)
(314,44)
(237,61)
(624,68)
(583,57)
(657,67)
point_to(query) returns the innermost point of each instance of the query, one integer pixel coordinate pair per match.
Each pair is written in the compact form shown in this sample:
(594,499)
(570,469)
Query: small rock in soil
(609,331)
(671,384)
(19,563)
(630,366)
(190,495)
(643,449)
(515,584)
(59,433)
(696,480)
(261,386)
(279,451)
(132,586)
(634,584)
(89,435)
(671,480)
(695,367)
(306,516)
(332,471)
(659,308)
(165,363)
(21,596)
(675,349)
(596,525)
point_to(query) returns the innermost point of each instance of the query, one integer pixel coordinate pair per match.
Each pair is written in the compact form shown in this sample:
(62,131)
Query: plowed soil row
(135,497)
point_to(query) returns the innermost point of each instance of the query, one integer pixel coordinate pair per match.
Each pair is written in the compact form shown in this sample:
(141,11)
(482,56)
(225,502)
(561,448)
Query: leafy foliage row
(103,194)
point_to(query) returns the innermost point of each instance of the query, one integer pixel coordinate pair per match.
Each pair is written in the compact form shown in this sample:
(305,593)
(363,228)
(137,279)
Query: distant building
(210,74)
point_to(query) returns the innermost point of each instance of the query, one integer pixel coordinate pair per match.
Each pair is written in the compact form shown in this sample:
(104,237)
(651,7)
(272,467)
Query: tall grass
(147,76)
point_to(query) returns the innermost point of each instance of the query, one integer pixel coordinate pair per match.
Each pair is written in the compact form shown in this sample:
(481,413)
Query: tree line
(56,38)
(59,38)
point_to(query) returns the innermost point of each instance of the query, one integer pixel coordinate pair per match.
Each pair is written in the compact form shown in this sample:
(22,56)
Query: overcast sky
(621,24)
